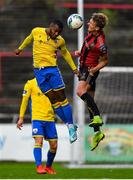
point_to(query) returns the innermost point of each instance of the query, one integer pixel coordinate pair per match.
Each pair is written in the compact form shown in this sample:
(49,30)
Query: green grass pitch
(21,170)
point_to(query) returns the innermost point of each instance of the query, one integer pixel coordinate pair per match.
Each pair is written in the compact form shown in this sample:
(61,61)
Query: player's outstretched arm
(67,56)
(24,44)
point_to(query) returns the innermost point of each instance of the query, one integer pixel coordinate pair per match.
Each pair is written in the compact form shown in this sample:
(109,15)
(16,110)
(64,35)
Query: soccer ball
(75,21)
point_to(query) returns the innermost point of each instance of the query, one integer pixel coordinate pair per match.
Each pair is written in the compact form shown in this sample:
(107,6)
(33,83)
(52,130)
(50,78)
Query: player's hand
(91,71)
(20,123)
(76,72)
(18,51)
(77,53)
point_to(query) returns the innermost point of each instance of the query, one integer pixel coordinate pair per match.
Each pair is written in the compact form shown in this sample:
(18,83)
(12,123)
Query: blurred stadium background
(114,93)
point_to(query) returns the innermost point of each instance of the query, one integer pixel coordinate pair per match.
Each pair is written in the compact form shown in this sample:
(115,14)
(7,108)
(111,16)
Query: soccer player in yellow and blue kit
(46,42)
(43,125)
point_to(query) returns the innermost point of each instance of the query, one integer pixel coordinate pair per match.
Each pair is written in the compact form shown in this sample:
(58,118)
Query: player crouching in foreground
(43,124)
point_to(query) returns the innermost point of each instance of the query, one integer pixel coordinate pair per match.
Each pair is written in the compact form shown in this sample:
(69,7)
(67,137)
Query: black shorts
(84,76)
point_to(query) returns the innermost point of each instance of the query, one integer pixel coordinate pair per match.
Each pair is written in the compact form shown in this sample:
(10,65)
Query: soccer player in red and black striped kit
(93,57)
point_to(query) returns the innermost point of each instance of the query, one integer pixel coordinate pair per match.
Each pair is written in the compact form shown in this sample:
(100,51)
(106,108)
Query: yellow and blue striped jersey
(45,49)
(41,108)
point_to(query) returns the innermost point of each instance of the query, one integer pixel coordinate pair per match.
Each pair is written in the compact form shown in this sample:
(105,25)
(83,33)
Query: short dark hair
(58,23)
(101,19)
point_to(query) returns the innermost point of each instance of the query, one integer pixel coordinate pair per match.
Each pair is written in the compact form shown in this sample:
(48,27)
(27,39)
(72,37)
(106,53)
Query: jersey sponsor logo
(35,130)
(47,43)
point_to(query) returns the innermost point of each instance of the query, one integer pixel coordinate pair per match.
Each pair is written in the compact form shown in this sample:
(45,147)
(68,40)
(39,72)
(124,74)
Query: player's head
(55,28)
(97,22)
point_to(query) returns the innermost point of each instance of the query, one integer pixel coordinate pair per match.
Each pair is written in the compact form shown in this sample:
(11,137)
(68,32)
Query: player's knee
(38,144)
(39,141)
(53,100)
(80,92)
(53,147)
(60,95)
(52,97)
(62,98)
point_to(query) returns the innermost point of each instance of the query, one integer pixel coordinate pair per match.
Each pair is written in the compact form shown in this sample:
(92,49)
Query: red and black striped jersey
(93,48)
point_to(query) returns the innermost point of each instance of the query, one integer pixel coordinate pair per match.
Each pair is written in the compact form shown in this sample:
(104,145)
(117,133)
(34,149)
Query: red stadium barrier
(96,6)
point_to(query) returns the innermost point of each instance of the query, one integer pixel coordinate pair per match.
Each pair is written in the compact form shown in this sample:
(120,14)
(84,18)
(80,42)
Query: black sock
(91,115)
(96,128)
(90,103)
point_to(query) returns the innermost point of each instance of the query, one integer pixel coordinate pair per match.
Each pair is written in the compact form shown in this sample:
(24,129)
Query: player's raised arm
(24,44)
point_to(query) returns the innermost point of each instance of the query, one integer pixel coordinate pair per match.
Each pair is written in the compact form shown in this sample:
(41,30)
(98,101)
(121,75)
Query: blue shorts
(44,129)
(49,78)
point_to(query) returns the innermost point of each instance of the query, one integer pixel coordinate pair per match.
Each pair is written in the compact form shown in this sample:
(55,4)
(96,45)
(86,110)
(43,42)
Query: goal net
(114,94)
